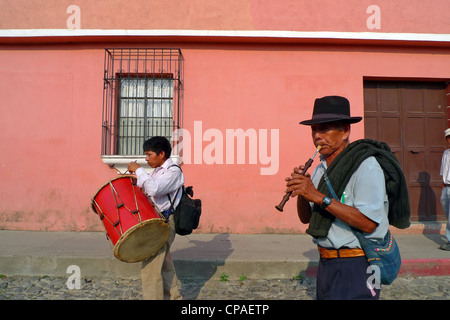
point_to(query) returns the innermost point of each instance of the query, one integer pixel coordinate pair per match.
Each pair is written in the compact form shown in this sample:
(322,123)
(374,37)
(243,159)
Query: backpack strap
(168,212)
(174,165)
(172,209)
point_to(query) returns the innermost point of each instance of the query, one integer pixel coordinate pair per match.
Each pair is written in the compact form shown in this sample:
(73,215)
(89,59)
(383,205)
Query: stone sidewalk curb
(202,256)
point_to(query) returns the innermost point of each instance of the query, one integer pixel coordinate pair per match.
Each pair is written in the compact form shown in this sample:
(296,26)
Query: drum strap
(103,216)
(119,204)
(134,212)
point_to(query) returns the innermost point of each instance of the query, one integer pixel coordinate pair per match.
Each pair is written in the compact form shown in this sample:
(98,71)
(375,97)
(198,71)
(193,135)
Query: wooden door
(411,118)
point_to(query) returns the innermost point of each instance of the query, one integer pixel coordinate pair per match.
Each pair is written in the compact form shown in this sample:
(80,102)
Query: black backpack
(187,214)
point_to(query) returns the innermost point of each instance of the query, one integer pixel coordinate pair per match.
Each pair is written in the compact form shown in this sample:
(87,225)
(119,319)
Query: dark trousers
(344,279)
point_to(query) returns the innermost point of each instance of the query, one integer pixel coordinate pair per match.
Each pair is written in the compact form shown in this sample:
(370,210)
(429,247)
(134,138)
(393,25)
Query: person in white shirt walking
(445,194)
(158,274)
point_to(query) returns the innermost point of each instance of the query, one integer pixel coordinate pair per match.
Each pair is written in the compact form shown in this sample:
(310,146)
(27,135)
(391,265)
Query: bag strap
(327,181)
(355,231)
(171,203)
(171,210)
(174,165)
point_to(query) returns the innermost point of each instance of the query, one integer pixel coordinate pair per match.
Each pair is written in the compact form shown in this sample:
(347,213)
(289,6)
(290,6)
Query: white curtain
(145,110)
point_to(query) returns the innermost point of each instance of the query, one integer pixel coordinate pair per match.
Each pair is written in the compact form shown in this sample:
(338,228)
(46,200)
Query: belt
(341,253)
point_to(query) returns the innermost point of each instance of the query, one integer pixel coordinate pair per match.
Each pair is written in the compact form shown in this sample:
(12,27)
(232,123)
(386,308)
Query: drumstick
(286,197)
(118,171)
(113,166)
(129,170)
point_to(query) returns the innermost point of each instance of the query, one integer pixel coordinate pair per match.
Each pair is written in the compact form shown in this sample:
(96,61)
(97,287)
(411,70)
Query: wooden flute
(286,197)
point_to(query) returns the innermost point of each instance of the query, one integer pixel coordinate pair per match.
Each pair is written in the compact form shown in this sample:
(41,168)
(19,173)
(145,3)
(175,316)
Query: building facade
(84,83)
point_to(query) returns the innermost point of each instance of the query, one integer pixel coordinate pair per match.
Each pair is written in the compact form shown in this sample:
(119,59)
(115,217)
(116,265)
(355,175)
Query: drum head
(142,241)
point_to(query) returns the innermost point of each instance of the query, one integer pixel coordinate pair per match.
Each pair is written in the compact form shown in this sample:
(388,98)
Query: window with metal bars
(141,98)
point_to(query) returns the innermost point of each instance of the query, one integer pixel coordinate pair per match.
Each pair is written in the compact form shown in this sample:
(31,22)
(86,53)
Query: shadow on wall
(427,209)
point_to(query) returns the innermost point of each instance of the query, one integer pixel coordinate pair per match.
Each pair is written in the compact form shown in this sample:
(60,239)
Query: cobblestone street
(55,288)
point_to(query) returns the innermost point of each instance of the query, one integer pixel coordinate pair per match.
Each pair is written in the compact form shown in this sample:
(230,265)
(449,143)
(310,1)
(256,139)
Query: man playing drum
(159,278)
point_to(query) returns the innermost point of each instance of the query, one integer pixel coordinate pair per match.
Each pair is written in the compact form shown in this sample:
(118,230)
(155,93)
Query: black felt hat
(331,108)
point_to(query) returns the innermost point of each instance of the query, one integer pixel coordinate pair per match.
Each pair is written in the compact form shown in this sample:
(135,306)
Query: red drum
(133,224)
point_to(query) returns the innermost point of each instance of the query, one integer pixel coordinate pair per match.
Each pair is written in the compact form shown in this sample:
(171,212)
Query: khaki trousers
(159,278)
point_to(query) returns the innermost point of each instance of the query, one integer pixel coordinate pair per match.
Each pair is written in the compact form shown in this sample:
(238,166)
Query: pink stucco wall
(414,16)
(51,115)
(51,98)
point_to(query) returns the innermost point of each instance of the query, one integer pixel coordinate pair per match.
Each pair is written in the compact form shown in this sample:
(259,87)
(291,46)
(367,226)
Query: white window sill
(121,162)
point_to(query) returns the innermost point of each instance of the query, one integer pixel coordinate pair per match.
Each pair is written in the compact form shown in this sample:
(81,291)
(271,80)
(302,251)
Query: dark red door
(411,118)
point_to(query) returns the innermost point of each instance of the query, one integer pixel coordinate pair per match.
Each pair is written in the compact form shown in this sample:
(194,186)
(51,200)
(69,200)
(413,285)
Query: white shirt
(161,182)
(445,167)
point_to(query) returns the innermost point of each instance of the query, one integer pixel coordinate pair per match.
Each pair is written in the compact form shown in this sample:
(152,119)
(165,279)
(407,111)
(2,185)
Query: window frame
(137,63)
